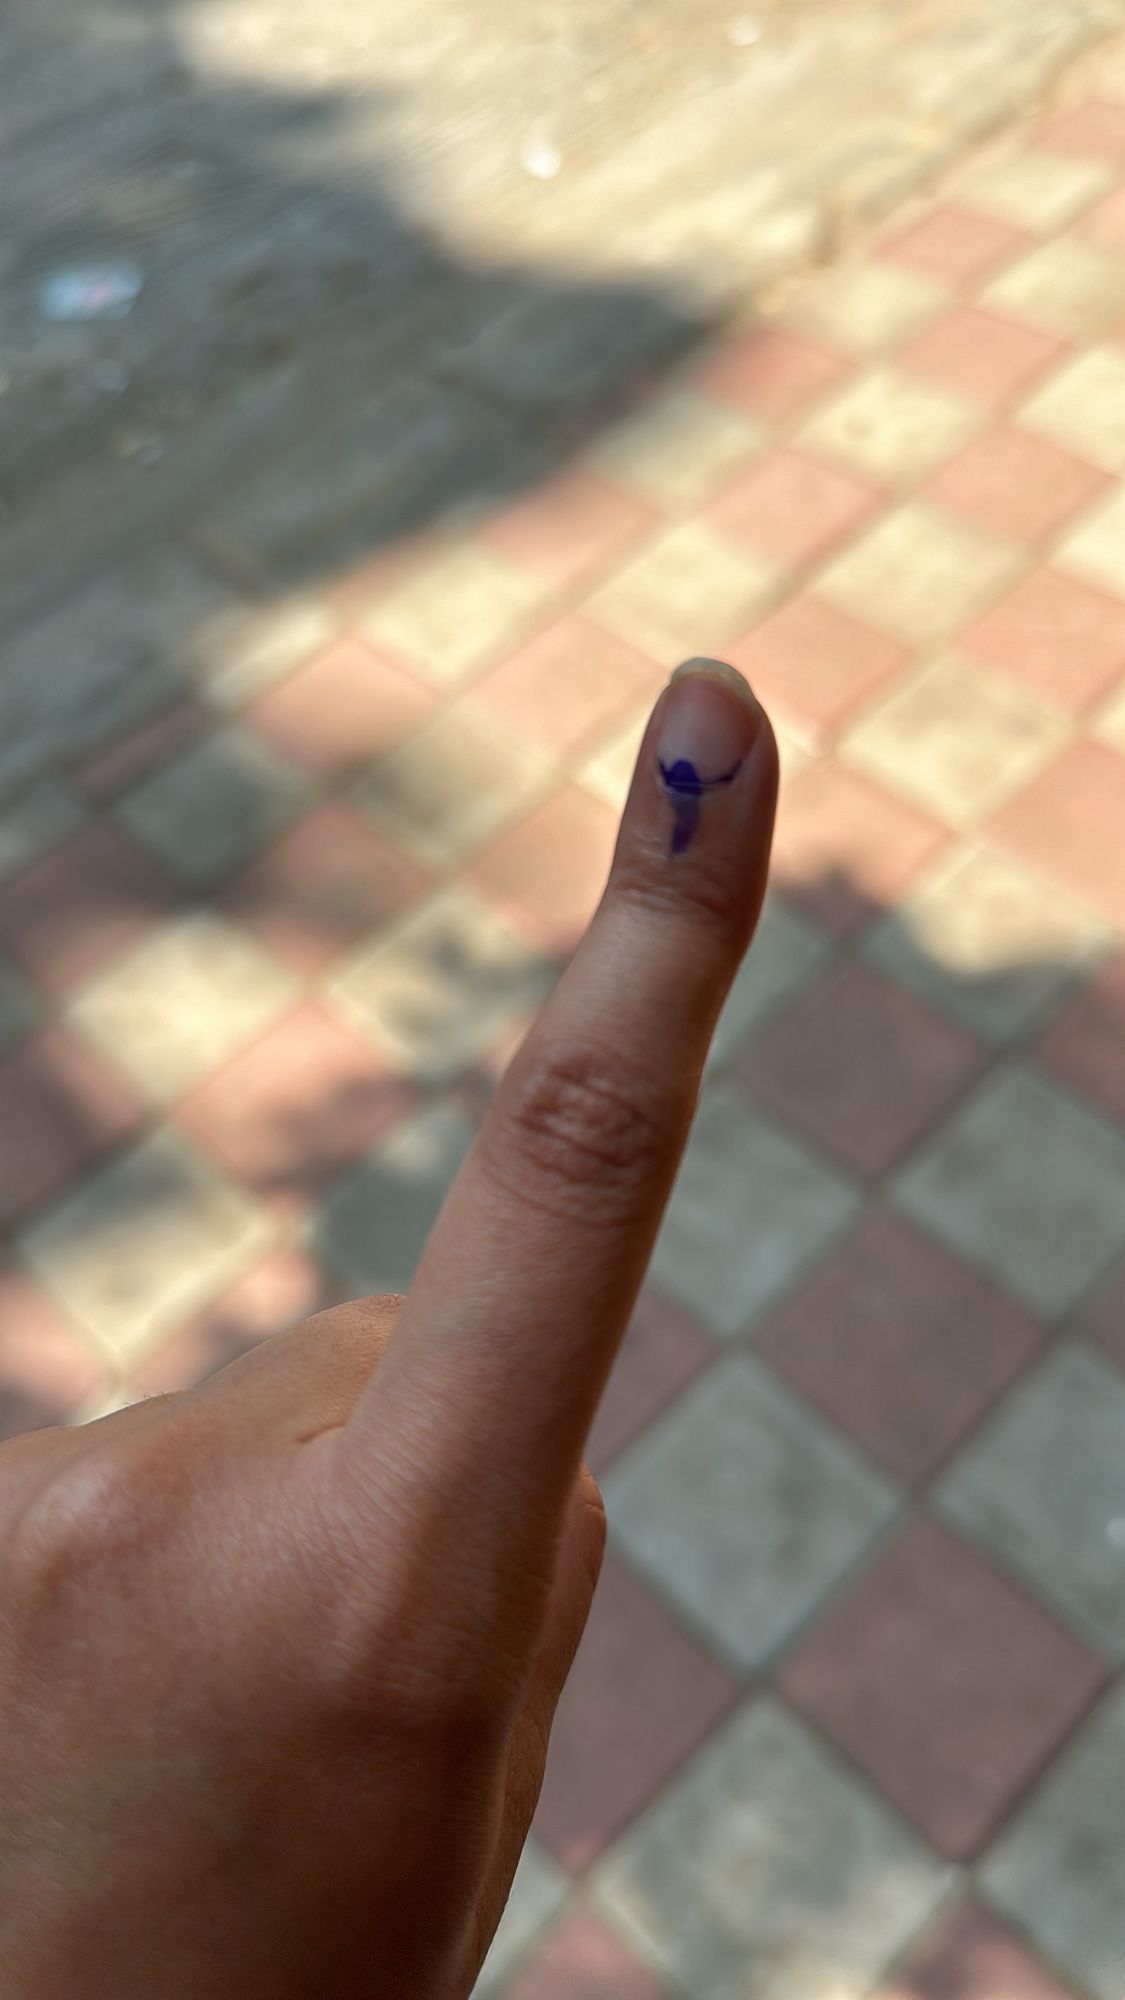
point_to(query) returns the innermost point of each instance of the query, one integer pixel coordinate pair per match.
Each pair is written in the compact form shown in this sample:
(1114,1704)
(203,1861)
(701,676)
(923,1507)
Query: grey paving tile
(374,1226)
(213,809)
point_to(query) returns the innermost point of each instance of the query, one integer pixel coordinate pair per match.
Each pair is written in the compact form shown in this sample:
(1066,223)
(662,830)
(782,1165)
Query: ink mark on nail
(686,790)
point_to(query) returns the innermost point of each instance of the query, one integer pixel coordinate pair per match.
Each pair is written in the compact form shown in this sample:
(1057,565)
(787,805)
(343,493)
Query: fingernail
(709,725)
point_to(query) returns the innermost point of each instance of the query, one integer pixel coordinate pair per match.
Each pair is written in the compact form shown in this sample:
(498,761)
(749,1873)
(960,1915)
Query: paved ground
(850,1716)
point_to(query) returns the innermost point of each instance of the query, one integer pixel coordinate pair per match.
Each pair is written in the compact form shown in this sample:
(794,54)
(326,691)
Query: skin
(279,1657)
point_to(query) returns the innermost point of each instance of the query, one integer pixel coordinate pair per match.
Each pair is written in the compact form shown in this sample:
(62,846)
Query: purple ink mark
(686,789)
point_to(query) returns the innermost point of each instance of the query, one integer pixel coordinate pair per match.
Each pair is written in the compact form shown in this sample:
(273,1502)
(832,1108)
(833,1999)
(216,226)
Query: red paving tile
(1085,1043)
(792,507)
(1070,824)
(814,666)
(901,1345)
(326,884)
(569,685)
(286,1288)
(550,870)
(344,708)
(662,1352)
(641,1697)
(956,244)
(1095,128)
(581,1961)
(143,751)
(60,1108)
(982,355)
(844,848)
(862,1068)
(567,527)
(306,1101)
(771,373)
(1061,640)
(92,896)
(970,1955)
(47,1375)
(1106,223)
(1016,484)
(944,1683)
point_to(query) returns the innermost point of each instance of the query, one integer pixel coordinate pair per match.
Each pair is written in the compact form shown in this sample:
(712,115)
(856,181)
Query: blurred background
(388,399)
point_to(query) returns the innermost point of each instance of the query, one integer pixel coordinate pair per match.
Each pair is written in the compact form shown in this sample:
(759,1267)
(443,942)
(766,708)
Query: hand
(279,1657)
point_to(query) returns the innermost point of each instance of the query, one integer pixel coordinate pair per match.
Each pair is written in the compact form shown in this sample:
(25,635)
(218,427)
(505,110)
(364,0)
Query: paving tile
(213,809)
(1061,640)
(751,1207)
(1082,407)
(434,990)
(1084,1045)
(1044,1487)
(792,507)
(1057,1872)
(814,666)
(955,741)
(608,774)
(373,1229)
(867,306)
(771,373)
(304,1102)
(969,1955)
(285,1288)
(1070,287)
(550,870)
(68,913)
(1027,1184)
(981,356)
(245,651)
(844,847)
(1070,823)
(690,589)
(566,526)
(17,1007)
(454,785)
(708,1886)
(1102,1318)
(744,1508)
(43,815)
(922,574)
(640,1699)
(539,1891)
(453,613)
(1106,223)
(956,244)
(944,1683)
(142,751)
(1091,128)
(899,1344)
(677,448)
(787,953)
(861,1068)
(1109,723)
(319,888)
(342,709)
(1094,548)
(1033,189)
(48,1374)
(1016,484)
(663,1350)
(60,1109)
(890,427)
(193,993)
(569,685)
(144,1242)
(582,1960)
(989,942)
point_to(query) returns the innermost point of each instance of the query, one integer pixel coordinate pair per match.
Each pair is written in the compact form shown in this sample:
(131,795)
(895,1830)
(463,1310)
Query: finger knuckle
(584,1125)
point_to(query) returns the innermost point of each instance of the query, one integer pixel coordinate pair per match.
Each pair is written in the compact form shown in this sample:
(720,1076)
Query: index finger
(533,1267)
